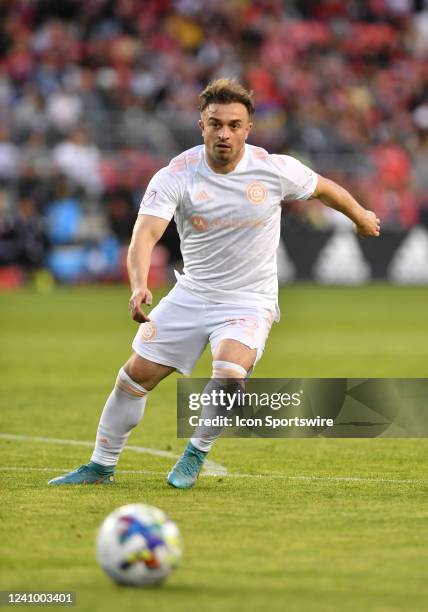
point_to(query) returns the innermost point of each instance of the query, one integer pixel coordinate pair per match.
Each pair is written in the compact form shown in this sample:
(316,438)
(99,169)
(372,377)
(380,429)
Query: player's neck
(224,168)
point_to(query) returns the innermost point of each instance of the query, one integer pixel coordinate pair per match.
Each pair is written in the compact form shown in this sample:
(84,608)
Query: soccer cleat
(90,473)
(186,471)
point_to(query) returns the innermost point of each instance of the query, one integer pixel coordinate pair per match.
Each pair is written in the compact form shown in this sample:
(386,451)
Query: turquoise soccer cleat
(186,471)
(90,473)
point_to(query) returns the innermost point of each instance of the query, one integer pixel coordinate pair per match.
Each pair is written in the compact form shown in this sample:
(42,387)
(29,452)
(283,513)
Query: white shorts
(182,324)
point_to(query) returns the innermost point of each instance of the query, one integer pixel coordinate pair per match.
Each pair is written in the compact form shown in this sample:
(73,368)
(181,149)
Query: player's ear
(201,125)
(249,127)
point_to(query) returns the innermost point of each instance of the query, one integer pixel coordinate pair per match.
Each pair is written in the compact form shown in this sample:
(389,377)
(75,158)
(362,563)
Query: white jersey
(229,224)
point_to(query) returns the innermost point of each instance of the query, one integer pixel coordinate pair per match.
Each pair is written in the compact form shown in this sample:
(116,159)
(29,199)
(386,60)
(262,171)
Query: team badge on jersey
(148,331)
(256,193)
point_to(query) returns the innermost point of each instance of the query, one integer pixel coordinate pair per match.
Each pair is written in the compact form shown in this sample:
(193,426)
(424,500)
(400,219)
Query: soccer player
(225,196)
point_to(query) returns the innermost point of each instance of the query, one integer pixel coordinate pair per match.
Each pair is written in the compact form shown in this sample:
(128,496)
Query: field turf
(296,525)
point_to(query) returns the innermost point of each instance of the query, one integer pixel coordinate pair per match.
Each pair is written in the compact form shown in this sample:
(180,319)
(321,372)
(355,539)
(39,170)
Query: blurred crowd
(96,95)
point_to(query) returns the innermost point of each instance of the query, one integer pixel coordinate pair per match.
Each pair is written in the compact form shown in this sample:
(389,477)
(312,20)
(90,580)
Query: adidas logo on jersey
(202,196)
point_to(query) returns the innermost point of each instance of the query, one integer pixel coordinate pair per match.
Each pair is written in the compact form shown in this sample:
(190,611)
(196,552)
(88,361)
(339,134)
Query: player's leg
(171,340)
(231,362)
(238,336)
(122,411)
(234,352)
(125,406)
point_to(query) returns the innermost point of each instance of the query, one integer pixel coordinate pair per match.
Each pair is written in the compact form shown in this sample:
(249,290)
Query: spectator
(23,238)
(9,157)
(344,82)
(64,110)
(79,159)
(121,215)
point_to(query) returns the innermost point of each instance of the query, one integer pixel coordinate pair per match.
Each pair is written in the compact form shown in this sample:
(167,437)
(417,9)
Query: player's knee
(235,352)
(128,385)
(140,375)
(144,372)
(228,369)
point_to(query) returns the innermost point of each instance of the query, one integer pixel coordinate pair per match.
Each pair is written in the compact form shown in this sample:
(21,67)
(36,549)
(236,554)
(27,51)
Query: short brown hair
(225,91)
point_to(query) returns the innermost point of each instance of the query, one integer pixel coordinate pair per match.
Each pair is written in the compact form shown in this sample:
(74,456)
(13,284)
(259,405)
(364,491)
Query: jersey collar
(243,163)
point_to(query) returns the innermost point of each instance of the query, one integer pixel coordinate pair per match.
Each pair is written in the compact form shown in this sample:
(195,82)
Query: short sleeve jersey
(229,224)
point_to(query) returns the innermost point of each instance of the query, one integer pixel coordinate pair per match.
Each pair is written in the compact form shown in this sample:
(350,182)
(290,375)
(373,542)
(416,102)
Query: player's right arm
(148,230)
(162,196)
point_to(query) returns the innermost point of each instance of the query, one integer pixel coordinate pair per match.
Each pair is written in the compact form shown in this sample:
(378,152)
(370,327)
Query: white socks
(123,410)
(221,370)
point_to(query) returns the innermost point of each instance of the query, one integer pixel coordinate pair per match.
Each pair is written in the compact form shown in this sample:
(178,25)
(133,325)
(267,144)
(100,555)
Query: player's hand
(139,297)
(368,225)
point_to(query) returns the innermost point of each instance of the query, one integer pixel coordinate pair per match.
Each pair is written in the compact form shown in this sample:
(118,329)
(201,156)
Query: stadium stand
(96,95)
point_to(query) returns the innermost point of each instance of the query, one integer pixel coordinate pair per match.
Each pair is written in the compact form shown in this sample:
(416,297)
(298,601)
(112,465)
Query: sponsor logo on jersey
(199,223)
(148,331)
(256,193)
(239,223)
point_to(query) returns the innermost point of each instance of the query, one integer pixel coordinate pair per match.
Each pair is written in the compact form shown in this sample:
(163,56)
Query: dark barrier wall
(341,257)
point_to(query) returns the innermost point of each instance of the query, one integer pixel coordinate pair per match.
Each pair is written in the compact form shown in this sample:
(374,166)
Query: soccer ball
(138,545)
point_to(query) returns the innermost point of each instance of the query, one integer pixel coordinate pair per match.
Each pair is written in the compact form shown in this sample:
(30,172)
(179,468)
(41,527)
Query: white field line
(238,475)
(211,468)
(10,468)
(333,478)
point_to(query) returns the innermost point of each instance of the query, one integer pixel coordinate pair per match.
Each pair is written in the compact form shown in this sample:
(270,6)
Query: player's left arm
(334,195)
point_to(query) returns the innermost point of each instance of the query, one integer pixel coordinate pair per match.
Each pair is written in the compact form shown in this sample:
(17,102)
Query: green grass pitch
(297,525)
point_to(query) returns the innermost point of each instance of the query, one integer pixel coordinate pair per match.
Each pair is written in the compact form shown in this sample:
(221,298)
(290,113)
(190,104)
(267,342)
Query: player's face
(225,128)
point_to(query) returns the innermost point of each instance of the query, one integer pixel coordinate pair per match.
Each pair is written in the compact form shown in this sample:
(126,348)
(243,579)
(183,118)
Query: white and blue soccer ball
(138,545)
